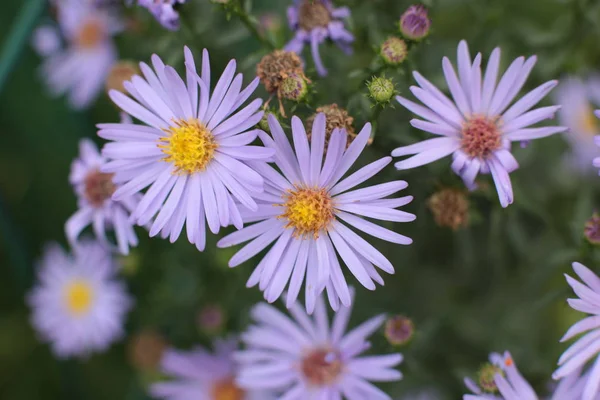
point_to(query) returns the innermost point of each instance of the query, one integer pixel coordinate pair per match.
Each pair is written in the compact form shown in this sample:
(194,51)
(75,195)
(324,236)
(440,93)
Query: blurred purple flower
(165,11)
(81,66)
(201,375)
(77,305)
(314,21)
(302,212)
(193,152)
(478,127)
(94,190)
(306,358)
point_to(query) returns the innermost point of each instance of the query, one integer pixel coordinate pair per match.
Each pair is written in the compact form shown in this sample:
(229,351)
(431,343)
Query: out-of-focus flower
(479,126)
(315,21)
(592,229)
(335,118)
(381,89)
(450,208)
(94,190)
(120,72)
(577,99)
(81,66)
(588,345)
(211,318)
(146,349)
(505,378)
(193,151)
(165,11)
(198,374)
(77,304)
(303,213)
(305,358)
(399,330)
(269,22)
(415,23)
(393,51)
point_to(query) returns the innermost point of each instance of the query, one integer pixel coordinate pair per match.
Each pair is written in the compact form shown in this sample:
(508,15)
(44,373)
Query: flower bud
(592,229)
(381,89)
(211,319)
(393,51)
(486,377)
(415,23)
(294,87)
(399,330)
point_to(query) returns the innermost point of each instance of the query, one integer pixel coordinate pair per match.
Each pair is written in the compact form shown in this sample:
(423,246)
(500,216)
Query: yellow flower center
(189,145)
(587,122)
(321,367)
(480,136)
(227,390)
(90,34)
(308,211)
(79,295)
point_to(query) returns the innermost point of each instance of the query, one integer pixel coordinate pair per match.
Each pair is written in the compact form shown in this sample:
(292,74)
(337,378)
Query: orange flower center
(313,14)
(90,34)
(321,367)
(227,390)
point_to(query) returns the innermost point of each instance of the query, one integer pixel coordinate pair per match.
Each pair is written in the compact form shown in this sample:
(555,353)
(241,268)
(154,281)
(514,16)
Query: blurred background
(495,284)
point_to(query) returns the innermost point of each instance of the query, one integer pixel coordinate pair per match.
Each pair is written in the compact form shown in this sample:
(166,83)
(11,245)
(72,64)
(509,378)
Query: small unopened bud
(486,377)
(146,349)
(294,88)
(399,330)
(450,208)
(120,72)
(211,319)
(264,121)
(381,89)
(415,23)
(393,51)
(592,229)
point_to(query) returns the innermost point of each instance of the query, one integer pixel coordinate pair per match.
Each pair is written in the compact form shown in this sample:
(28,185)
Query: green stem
(18,37)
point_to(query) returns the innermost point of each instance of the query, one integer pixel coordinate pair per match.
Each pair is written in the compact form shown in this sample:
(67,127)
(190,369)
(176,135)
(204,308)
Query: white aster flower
(192,151)
(478,126)
(78,306)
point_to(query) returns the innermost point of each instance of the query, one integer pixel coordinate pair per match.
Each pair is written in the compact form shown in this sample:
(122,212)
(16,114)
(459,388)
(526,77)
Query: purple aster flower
(572,387)
(302,210)
(81,66)
(479,126)
(587,346)
(200,375)
(77,305)
(193,151)
(94,190)
(314,21)
(506,379)
(306,358)
(165,11)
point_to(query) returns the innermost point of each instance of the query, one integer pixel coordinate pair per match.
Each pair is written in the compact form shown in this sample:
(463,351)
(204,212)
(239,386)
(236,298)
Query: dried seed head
(276,66)
(336,117)
(450,208)
(592,229)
